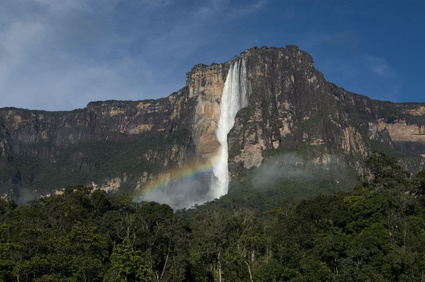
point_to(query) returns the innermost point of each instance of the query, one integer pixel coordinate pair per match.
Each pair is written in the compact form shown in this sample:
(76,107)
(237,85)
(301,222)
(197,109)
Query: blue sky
(60,55)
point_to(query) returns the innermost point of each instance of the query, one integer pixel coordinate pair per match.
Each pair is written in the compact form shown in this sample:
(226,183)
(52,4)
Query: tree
(387,173)
(128,264)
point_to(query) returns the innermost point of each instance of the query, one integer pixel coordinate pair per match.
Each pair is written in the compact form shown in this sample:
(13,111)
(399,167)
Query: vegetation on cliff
(92,162)
(374,231)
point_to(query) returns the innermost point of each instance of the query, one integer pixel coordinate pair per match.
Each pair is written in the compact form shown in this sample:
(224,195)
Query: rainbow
(187,173)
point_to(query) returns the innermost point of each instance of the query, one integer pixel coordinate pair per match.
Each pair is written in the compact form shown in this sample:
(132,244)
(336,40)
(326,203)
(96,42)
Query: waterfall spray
(235,97)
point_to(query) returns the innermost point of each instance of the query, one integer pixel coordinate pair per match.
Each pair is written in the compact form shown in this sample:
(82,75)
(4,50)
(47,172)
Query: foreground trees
(86,235)
(374,232)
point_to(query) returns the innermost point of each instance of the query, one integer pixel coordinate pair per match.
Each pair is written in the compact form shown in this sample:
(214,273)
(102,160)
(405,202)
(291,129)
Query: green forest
(373,232)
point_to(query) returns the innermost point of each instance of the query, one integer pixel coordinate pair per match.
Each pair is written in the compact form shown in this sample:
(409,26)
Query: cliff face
(41,149)
(205,85)
(127,144)
(109,120)
(290,104)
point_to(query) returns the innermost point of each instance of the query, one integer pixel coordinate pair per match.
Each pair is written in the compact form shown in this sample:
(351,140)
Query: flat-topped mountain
(293,119)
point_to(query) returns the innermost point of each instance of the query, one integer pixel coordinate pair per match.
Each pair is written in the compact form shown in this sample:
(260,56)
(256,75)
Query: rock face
(205,84)
(128,144)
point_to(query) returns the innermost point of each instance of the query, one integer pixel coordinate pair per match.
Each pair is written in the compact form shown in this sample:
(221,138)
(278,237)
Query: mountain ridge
(291,108)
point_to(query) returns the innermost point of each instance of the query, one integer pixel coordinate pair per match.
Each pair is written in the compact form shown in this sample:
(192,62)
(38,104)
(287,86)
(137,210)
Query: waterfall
(235,97)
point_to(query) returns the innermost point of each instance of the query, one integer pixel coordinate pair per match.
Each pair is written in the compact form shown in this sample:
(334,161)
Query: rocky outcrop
(205,85)
(126,144)
(391,123)
(108,120)
(290,104)
(400,130)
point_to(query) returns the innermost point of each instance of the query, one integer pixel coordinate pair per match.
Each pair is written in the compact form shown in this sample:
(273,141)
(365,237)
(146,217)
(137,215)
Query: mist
(292,166)
(184,193)
(279,168)
(24,195)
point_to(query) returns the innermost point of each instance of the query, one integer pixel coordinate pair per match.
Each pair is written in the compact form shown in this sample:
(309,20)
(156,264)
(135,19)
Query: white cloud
(15,46)
(378,65)
(247,9)
(53,50)
(122,49)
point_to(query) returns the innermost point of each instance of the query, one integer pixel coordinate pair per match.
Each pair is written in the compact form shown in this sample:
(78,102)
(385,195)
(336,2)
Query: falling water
(235,97)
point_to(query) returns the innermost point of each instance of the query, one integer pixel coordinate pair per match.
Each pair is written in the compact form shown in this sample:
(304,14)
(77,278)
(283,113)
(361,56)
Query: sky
(60,55)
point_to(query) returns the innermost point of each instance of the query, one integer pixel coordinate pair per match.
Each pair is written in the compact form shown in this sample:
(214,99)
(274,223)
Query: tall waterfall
(235,97)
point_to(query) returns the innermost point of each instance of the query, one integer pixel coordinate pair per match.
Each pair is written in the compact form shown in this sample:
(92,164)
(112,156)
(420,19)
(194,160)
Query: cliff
(125,145)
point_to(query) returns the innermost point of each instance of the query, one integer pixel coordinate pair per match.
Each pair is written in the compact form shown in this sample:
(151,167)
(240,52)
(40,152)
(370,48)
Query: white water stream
(234,97)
